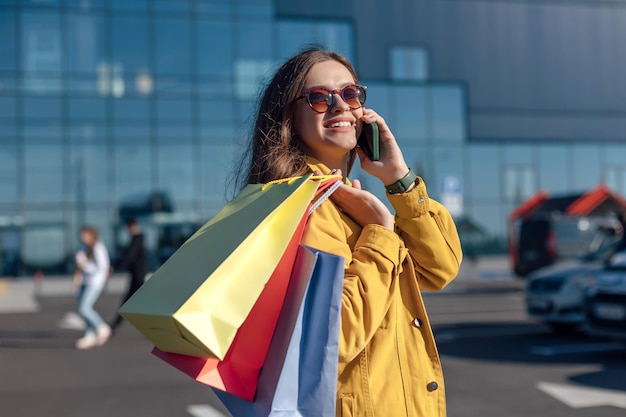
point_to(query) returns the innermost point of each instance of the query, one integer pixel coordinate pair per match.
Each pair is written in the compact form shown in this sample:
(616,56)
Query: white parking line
(576,348)
(583,397)
(204,410)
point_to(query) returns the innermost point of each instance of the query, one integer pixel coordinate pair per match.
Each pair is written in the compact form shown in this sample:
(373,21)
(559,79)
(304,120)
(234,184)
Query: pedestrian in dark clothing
(134,261)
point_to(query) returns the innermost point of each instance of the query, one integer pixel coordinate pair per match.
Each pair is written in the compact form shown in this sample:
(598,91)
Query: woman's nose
(339,106)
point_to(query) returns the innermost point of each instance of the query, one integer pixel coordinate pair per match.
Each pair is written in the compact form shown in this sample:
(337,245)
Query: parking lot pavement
(496,362)
(21,295)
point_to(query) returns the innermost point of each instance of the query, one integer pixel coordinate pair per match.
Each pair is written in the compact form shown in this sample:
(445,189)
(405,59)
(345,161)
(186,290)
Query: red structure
(532,238)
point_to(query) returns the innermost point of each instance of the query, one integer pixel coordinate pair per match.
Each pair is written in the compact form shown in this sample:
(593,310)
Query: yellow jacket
(388,361)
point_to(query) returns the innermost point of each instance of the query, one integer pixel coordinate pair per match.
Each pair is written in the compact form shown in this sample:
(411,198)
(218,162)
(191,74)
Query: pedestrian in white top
(92,264)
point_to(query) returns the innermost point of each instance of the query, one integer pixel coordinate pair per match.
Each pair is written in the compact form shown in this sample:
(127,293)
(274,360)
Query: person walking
(133,260)
(309,119)
(92,265)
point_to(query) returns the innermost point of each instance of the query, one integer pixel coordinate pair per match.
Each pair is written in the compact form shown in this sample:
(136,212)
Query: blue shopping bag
(299,377)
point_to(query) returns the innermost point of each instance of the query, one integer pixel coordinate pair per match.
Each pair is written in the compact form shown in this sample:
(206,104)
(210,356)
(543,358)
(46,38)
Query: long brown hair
(94,233)
(273,149)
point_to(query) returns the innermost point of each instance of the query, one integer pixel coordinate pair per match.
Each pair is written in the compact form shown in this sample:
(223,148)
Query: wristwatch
(403,184)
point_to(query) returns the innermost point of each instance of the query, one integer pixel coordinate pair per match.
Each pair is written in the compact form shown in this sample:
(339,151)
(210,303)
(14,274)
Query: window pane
(589,158)
(8,32)
(8,173)
(41,42)
(255,40)
(174,110)
(131,109)
(87,108)
(615,154)
(7,106)
(336,37)
(175,172)
(215,7)
(518,154)
(410,110)
(8,133)
(86,4)
(215,58)
(448,113)
(43,241)
(176,6)
(292,36)
(43,170)
(85,42)
(42,107)
(89,173)
(214,173)
(174,133)
(135,5)
(217,110)
(173,43)
(553,176)
(250,76)
(130,43)
(88,132)
(409,63)
(133,163)
(484,173)
(43,131)
(519,183)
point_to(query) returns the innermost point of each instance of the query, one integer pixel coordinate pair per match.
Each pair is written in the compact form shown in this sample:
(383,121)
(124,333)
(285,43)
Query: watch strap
(403,184)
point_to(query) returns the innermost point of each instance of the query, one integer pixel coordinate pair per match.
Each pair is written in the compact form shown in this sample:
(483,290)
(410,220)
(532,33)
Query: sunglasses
(321,99)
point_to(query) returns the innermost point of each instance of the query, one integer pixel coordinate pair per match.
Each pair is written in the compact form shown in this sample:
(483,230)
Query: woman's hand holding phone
(391,166)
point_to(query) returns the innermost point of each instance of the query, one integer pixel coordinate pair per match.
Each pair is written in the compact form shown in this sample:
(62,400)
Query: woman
(92,263)
(309,119)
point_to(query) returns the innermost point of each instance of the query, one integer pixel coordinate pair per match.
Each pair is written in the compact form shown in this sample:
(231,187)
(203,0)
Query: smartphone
(369,142)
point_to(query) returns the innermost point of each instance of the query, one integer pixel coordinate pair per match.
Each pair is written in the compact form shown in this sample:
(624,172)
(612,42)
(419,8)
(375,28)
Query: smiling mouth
(340,124)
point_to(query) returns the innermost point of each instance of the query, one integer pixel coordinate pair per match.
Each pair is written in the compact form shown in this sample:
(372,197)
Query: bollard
(38,278)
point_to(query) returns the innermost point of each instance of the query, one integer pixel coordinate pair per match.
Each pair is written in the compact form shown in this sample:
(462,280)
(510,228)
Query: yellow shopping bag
(187,306)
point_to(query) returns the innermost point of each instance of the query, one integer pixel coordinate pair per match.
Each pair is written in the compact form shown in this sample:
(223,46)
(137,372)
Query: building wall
(535,70)
(111,107)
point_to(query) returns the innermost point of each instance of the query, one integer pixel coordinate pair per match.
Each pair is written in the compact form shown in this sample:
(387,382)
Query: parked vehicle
(544,240)
(605,305)
(555,295)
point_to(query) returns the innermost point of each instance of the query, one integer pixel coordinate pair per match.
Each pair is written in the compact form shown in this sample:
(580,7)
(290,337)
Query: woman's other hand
(362,206)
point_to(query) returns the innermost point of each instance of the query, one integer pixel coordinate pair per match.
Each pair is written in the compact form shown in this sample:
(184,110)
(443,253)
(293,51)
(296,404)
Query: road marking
(204,410)
(576,348)
(581,397)
(3,286)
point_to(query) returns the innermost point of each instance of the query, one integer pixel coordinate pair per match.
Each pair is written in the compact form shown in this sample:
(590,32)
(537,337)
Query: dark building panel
(534,70)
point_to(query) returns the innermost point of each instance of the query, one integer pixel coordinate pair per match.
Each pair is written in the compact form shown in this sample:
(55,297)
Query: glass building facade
(111,108)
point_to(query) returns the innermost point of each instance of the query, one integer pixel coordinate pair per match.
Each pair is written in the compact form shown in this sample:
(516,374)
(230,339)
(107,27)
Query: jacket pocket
(346,406)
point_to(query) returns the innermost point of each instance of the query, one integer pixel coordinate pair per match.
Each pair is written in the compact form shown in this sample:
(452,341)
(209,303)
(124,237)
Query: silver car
(556,295)
(606,301)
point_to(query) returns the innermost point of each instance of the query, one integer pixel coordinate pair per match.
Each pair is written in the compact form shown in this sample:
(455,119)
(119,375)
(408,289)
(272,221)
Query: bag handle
(311,177)
(329,184)
(325,196)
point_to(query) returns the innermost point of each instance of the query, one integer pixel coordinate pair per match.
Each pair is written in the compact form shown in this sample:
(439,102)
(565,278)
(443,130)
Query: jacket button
(432,386)
(417,322)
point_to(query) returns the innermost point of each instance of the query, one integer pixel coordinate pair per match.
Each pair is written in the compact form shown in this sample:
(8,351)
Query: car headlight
(582,282)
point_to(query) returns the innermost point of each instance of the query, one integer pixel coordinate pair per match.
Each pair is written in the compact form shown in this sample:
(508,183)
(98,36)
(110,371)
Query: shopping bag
(238,373)
(187,306)
(299,377)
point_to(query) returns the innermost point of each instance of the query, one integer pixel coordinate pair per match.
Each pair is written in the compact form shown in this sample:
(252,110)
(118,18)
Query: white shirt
(96,270)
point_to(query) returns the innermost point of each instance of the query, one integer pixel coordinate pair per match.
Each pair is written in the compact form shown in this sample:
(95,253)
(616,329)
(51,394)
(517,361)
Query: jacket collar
(315,165)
